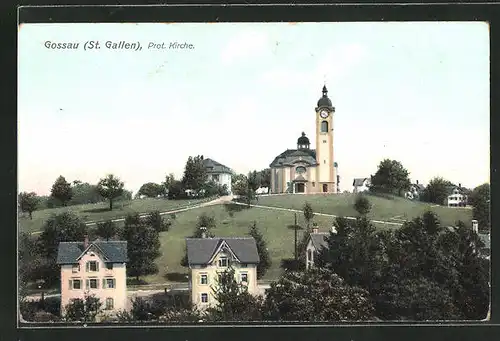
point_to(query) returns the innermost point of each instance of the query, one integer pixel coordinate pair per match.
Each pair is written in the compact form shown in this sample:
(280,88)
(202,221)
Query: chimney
(315,229)
(203,232)
(475,226)
(459,185)
(86,242)
(417,182)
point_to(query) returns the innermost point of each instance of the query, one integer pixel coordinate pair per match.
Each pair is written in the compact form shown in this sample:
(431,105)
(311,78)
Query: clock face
(323,114)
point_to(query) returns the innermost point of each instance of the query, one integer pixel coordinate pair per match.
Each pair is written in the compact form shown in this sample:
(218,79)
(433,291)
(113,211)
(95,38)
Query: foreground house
(94,268)
(218,173)
(415,191)
(317,241)
(207,257)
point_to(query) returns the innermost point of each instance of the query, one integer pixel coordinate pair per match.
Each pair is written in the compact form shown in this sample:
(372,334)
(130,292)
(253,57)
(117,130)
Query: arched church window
(300,169)
(324,127)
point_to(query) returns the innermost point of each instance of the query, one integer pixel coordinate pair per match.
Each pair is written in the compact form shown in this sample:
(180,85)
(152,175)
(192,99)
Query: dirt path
(315,213)
(178,210)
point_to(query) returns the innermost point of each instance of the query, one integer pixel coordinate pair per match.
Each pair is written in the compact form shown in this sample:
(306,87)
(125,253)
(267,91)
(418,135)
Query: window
(75,284)
(204,279)
(204,298)
(108,283)
(309,255)
(324,127)
(244,265)
(109,266)
(244,277)
(92,266)
(324,161)
(92,283)
(76,268)
(109,303)
(314,184)
(223,262)
(324,141)
(300,169)
(215,177)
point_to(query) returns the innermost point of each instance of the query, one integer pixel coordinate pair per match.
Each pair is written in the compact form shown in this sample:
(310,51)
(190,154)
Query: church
(306,170)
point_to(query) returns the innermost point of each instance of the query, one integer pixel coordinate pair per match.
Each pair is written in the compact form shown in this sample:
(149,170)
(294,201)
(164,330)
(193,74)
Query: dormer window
(76,268)
(223,262)
(92,266)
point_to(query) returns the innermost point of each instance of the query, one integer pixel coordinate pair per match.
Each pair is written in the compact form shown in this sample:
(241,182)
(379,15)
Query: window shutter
(104,283)
(87,283)
(70,284)
(97,266)
(114,283)
(208,282)
(87,266)
(199,279)
(97,284)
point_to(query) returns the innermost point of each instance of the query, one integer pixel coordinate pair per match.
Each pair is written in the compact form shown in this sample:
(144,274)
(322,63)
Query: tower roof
(303,139)
(324,101)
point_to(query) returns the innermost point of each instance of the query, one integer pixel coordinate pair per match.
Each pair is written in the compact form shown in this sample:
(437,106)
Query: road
(136,292)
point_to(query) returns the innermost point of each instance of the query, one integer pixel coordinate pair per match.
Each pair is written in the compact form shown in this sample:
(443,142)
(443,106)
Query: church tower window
(324,127)
(300,169)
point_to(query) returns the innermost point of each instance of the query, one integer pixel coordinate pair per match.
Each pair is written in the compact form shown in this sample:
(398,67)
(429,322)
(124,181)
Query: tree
(28,202)
(28,256)
(195,174)
(316,295)
(437,191)
(106,229)
(85,310)
(239,184)
(143,246)
(265,178)
(151,190)
(176,190)
(253,180)
(169,179)
(308,214)
(265,258)
(156,221)
(110,188)
(390,178)
(362,205)
(63,227)
(85,193)
(234,303)
(480,201)
(61,190)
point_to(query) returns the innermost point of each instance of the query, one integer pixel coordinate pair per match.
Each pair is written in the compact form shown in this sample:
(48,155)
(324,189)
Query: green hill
(100,211)
(393,209)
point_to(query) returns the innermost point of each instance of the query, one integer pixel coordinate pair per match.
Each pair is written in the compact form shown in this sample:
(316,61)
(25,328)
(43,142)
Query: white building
(218,173)
(456,198)
(360,185)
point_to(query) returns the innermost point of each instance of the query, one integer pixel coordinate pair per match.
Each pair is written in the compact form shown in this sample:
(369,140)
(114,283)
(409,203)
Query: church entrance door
(325,188)
(300,187)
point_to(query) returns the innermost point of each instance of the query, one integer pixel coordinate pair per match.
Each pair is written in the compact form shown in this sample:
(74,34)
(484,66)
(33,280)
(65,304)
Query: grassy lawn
(382,208)
(273,225)
(100,211)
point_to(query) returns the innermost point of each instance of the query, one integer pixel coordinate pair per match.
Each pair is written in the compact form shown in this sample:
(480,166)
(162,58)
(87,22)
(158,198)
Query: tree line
(392,178)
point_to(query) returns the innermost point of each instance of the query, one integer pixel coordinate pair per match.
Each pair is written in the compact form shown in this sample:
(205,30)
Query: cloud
(248,44)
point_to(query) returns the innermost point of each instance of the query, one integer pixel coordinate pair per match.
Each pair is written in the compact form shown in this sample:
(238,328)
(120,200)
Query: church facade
(306,170)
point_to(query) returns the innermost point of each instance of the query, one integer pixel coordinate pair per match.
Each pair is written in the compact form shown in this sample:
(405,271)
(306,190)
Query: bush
(362,205)
(291,264)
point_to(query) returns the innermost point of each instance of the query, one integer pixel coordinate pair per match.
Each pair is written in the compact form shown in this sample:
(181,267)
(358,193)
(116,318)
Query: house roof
(114,251)
(212,166)
(201,250)
(290,156)
(359,181)
(319,240)
(420,187)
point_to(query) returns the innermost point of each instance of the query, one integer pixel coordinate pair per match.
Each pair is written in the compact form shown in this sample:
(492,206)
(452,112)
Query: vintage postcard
(201,173)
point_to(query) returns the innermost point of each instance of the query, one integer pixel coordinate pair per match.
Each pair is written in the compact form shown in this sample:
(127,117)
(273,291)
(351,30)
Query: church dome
(324,101)
(302,140)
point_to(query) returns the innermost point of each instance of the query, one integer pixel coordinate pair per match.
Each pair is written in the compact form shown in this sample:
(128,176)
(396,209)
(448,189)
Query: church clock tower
(325,170)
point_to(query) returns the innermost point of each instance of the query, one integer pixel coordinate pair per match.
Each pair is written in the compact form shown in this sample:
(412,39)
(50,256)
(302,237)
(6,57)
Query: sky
(414,92)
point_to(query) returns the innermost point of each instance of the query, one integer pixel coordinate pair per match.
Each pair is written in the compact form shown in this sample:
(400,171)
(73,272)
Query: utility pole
(295,227)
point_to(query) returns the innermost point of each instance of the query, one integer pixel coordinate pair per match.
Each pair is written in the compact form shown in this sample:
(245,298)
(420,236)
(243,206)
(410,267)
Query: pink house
(97,268)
